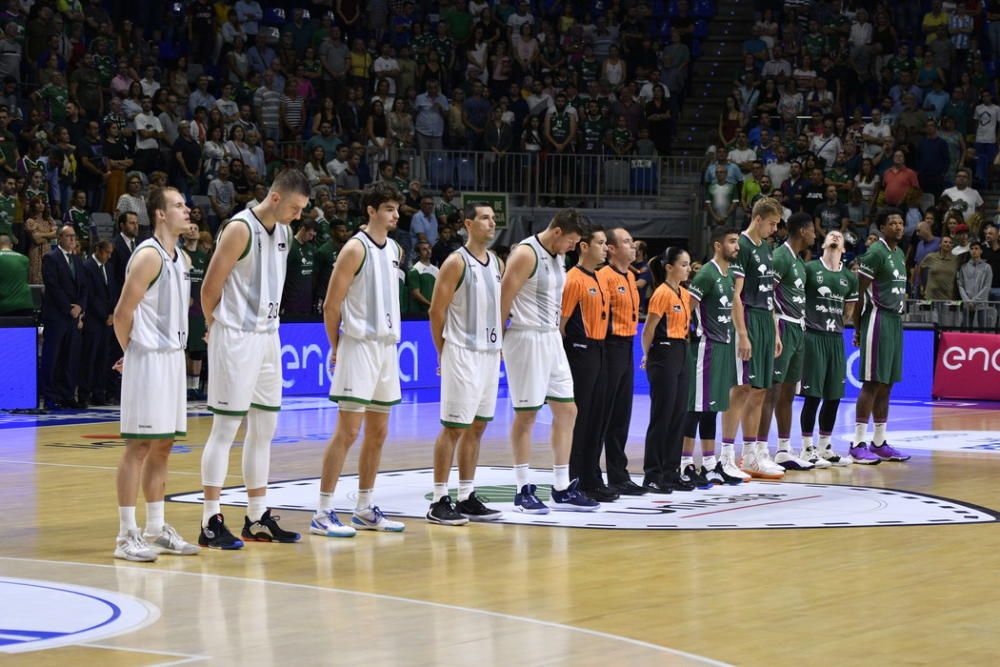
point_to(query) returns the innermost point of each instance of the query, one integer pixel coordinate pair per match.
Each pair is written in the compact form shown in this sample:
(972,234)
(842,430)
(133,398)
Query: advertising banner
(18,382)
(968,366)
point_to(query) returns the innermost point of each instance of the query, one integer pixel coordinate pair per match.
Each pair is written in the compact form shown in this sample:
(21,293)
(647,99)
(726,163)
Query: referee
(584,325)
(623,322)
(665,346)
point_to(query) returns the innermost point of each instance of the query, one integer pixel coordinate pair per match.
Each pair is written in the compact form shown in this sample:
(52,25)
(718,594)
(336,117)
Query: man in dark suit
(99,284)
(124,243)
(63,308)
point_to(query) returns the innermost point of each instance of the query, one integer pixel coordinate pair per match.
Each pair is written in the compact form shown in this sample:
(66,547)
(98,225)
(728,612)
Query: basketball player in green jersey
(878,330)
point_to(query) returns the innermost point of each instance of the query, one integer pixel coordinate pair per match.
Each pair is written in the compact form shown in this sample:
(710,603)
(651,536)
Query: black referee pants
(617,410)
(666,366)
(586,361)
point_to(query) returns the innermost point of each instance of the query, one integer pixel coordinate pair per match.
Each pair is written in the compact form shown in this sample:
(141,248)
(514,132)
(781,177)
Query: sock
(561,474)
(126,520)
(824,442)
(784,444)
(440,491)
(364,499)
(209,509)
(686,461)
(749,447)
(807,442)
(761,449)
(521,475)
(465,489)
(154,518)
(709,462)
(192,381)
(879,438)
(860,429)
(256,506)
(325,502)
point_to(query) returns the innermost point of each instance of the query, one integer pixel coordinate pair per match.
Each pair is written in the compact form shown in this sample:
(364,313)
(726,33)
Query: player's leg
(367,515)
(827,421)
(159,534)
(525,362)
(457,412)
(807,423)
(871,375)
(129,544)
(350,416)
(760,328)
(442,508)
(469,503)
(691,473)
(259,524)
(892,360)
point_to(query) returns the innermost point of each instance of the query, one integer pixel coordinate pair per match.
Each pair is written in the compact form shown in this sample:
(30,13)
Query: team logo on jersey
(757,505)
(621,289)
(592,290)
(282,247)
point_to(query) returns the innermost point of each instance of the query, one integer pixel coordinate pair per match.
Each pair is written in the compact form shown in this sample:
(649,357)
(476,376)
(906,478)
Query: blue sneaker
(328,524)
(373,519)
(526,501)
(573,500)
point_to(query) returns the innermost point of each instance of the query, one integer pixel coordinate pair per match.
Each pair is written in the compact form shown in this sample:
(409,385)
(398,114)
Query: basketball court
(887,564)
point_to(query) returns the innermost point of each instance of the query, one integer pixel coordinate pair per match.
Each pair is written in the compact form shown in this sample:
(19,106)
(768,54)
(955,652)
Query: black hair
(469,210)
(570,221)
(721,232)
(885,213)
(587,235)
(798,222)
(379,193)
(291,181)
(672,254)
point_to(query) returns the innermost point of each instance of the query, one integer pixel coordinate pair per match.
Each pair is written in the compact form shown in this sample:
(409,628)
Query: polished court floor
(884,565)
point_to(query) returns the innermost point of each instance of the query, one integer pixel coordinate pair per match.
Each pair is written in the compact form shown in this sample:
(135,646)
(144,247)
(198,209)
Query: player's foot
(526,501)
(728,458)
(444,513)
(132,547)
(602,494)
(830,455)
(675,482)
(757,464)
(216,536)
(694,476)
(887,452)
(571,499)
(711,476)
(372,518)
(169,541)
(861,455)
(630,488)
(474,509)
(720,472)
(328,524)
(811,454)
(267,530)
(789,461)
(657,487)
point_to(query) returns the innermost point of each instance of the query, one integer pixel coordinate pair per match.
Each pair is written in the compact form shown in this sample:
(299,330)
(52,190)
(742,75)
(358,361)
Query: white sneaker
(811,454)
(789,461)
(169,541)
(764,458)
(760,468)
(728,458)
(328,524)
(829,455)
(133,547)
(373,519)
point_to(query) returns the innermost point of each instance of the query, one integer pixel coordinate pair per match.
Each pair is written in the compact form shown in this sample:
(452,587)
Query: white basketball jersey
(473,319)
(161,318)
(371,307)
(251,296)
(538,305)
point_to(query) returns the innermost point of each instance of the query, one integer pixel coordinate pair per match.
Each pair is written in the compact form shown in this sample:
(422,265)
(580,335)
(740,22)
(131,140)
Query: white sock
(860,430)
(256,506)
(521,475)
(761,448)
(749,447)
(709,462)
(364,499)
(440,491)
(686,461)
(807,442)
(784,444)
(325,502)
(126,520)
(154,518)
(561,474)
(209,509)
(879,438)
(192,381)
(465,489)
(824,442)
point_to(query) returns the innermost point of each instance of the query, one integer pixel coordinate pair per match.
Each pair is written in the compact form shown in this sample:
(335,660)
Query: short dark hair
(469,210)
(721,232)
(291,181)
(123,218)
(587,235)
(377,194)
(570,221)
(798,222)
(975,244)
(103,246)
(885,213)
(156,200)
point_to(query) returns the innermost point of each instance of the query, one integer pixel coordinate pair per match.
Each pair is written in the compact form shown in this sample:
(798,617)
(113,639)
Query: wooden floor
(513,594)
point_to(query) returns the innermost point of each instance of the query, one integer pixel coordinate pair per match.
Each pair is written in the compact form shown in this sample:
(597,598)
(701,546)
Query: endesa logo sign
(968,366)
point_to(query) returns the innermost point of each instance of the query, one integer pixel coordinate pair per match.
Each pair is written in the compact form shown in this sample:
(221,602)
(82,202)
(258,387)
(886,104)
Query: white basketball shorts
(537,369)
(244,371)
(154,395)
(469,381)
(366,375)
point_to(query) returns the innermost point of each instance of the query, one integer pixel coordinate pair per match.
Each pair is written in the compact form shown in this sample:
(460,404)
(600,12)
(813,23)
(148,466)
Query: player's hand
(743,348)
(119,365)
(857,338)
(642,363)
(777,347)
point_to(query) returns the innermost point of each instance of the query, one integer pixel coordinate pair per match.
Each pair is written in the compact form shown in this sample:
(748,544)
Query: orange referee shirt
(585,303)
(674,310)
(623,296)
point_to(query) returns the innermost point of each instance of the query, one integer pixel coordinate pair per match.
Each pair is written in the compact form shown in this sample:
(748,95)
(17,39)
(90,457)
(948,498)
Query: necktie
(72,269)
(104,273)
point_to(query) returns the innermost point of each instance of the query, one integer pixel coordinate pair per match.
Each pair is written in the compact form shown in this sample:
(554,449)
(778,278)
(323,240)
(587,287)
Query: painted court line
(74,465)
(746,507)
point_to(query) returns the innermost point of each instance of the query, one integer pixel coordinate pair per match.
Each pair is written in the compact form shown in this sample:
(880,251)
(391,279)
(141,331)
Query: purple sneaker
(887,452)
(863,456)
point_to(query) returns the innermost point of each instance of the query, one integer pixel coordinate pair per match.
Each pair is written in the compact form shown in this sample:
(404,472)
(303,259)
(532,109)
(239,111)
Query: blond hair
(766,206)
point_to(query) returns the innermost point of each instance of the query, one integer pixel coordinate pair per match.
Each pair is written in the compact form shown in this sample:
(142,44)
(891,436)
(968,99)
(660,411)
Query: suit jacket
(100,296)
(62,289)
(118,262)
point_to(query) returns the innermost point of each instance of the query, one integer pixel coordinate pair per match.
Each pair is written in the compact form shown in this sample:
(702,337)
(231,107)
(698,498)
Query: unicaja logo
(956,357)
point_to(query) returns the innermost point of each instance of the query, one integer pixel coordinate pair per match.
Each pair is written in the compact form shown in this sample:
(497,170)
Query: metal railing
(954,314)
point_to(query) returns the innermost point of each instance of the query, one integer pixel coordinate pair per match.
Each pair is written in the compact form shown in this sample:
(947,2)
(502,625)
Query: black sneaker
(630,488)
(216,536)
(602,494)
(444,513)
(692,474)
(726,478)
(656,486)
(267,530)
(473,509)
(677,483)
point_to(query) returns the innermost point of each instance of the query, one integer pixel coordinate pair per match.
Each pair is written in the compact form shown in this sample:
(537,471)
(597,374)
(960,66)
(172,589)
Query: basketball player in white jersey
(467,332)
(151,323)
(361,312)
(537,369)
(241,298)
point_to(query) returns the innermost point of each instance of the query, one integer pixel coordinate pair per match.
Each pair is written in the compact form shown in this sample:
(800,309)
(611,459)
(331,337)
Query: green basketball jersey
(559,125)
(826,293)
(714,291)
(887,271)
(755,265)
(790,282)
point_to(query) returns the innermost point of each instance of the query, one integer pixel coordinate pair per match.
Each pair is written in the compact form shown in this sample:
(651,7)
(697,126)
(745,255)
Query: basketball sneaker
(711,476)
(444,513)
(328,524)
(132,547)
(372,518)
(267,530)
(861,455)
(887,452)
(216,536)
(811,454)
(474,509)
(757,463)
(693,475)
(833,458)
(728,459)
(720,472)
(789,461)
(571,499)
(169,541)
(526,501)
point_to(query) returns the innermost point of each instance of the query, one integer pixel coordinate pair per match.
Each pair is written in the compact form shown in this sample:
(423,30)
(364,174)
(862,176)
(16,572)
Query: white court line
(73,465)
(392,598)
(185,657)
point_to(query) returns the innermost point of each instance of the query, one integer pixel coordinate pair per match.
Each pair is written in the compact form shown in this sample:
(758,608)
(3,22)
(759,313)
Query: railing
(954,314)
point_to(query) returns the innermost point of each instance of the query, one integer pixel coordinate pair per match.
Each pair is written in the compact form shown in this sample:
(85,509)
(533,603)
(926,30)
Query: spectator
(349,182)
(964,199)
(97,326)
(933,158)
(960,241)
(987,115)
(723,198)
(63,307)
(297,297)
(221,195)
(424,223)
(447,243)
(898,179)
(831,215)
(420,279)
(133,201)
(41,232)
(15,296)
(975,279)
(317,172)
(431,107)
(939,272)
